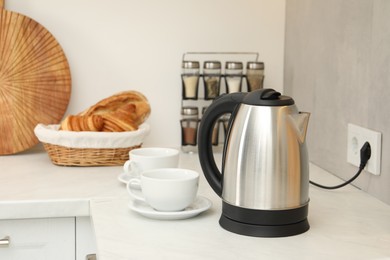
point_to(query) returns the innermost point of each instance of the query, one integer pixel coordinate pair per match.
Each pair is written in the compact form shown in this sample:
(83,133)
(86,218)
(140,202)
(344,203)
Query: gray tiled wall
(337,66)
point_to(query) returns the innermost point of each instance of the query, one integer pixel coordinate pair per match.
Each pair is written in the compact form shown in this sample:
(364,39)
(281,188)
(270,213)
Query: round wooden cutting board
(35,82)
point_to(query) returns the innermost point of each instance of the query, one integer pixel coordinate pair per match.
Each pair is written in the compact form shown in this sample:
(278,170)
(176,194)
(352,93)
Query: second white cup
(143,159)
(169,189)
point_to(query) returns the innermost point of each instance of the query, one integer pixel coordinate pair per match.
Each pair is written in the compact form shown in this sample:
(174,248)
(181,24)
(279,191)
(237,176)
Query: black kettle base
(264,223)
(263,231)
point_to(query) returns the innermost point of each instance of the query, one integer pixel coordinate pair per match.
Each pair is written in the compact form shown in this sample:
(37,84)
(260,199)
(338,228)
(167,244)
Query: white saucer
(198,206)
(124,177)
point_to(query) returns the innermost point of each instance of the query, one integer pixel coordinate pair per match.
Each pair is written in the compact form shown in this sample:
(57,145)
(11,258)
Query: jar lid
(234,65)
(212,65)
(255,65)
(189,111)
(190,64)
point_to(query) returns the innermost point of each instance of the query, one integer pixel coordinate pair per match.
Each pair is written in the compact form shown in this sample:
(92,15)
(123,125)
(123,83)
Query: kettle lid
(267,97)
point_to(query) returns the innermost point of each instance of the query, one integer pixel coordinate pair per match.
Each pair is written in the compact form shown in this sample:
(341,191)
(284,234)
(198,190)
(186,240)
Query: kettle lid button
(267,97)
(269,94)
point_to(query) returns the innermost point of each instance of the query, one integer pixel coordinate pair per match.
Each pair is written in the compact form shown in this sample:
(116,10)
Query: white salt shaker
(233,76)
(190,79)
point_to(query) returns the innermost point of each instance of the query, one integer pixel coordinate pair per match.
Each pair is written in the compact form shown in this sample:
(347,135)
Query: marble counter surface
(345,224)
(31,186)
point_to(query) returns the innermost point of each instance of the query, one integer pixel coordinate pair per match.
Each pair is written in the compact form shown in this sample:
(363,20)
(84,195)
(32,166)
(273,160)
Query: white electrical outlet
(357,136)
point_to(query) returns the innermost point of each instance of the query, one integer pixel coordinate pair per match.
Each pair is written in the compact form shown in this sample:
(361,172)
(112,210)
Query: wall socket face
(357,136)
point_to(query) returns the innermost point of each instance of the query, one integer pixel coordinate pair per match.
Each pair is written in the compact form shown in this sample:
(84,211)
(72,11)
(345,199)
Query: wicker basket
(67,156)
(87,148)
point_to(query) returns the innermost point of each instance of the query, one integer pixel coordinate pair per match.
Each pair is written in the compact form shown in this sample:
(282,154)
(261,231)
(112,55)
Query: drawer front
(38,239)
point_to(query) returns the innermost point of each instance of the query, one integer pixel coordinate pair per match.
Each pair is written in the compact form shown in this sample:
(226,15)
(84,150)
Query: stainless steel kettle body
(264,181)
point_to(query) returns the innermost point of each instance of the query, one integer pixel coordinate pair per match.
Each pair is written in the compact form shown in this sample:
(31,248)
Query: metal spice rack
(199,102)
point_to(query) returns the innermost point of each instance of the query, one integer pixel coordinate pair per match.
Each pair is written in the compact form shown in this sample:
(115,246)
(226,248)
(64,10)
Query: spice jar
(189,128)
(255,75)
(211,78)
(233,76)
(190,79)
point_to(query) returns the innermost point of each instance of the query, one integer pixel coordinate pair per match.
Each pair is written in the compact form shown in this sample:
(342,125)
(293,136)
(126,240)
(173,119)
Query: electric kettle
(264,179)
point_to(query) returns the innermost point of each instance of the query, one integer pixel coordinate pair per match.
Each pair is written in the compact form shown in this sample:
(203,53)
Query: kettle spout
(300,122)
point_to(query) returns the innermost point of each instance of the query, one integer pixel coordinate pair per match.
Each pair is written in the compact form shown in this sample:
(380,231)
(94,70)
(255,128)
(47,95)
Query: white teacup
(143,159)
(167,189)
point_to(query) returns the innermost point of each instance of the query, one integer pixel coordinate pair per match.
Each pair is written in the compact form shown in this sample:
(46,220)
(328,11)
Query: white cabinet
(46,239)
(85,238)
(38,239)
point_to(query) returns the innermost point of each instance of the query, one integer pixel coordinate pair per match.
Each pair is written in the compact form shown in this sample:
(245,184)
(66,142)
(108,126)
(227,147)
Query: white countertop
(345,223)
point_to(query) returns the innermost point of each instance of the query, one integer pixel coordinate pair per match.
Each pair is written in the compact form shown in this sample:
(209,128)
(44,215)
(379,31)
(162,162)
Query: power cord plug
(365,154)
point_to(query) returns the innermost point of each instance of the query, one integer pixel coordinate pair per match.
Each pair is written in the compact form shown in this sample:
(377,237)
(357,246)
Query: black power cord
(365,154)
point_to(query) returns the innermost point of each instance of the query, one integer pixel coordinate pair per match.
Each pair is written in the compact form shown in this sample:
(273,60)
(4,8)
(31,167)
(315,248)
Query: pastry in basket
(82,123)
(124,111)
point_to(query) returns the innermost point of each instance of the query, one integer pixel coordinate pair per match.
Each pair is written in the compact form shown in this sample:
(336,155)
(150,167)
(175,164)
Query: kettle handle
(224,104)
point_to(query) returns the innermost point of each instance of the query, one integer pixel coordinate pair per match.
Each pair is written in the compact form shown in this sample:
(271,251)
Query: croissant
(138,111)
(124,111)
(120,120)
(82,123)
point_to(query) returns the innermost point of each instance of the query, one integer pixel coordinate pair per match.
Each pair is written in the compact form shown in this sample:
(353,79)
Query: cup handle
(134,182)
(130,167)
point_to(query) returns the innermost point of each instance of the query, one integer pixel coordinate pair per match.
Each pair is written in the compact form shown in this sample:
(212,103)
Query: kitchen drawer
(38,239)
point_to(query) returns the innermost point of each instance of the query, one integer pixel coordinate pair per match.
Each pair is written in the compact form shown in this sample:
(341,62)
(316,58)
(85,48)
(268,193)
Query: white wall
(126,44)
